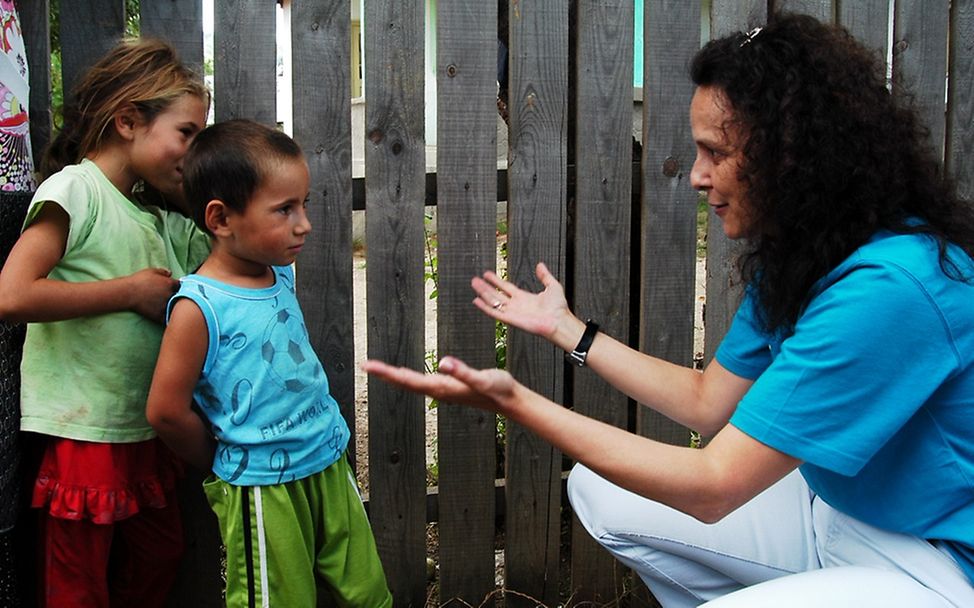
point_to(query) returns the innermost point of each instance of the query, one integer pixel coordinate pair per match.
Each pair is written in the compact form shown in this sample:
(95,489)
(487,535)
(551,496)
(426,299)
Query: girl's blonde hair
(143,72)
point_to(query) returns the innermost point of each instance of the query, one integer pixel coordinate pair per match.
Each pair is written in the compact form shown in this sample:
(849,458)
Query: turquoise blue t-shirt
(262,386)
(874,390)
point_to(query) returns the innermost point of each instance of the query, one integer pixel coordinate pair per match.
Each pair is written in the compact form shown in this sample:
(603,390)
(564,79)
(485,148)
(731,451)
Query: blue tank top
(262,387)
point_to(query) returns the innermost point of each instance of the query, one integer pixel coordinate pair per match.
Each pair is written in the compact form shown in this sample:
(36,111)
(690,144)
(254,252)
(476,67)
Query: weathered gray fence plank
(960,102)
(603,225)
(178,21)
(669,202)
(920,61)
(395,181)
(466,234)
(88,29)
(868,20)
(36,28)
(723,290)
(321,113)
(537,208)
(245,62)
(823,10)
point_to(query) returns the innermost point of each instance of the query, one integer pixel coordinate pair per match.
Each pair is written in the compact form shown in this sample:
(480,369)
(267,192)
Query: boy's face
(272,229)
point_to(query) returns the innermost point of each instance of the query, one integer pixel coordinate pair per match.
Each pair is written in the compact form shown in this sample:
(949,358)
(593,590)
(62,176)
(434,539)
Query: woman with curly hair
(840,404)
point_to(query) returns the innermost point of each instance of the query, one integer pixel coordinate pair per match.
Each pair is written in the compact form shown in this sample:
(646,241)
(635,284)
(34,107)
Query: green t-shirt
(88,378)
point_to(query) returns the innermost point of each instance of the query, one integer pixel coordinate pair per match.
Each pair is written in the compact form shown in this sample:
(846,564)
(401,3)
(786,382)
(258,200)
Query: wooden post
(322,107)
(960,104)
(245,70)
(602,221)
(920,61)
(89,28)
(178,21)
(395,191)
(466,187)
(537,211)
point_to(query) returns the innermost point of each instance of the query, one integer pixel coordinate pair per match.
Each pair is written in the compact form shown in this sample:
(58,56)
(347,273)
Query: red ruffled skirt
(104,482)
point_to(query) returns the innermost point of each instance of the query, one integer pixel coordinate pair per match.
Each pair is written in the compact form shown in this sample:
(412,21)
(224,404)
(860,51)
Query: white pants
(786,547)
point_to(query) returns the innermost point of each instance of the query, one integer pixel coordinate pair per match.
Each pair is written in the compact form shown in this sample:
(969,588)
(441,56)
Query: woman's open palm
(536,313)
(456,382)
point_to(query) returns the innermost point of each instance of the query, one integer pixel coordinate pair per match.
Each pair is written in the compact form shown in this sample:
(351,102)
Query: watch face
(576,357)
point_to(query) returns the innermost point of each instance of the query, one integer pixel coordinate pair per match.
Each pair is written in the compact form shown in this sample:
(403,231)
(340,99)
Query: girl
(91,273)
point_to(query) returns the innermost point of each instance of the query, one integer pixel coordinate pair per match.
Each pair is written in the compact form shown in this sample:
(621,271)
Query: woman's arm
(705,483)
(701,401)
(169,406)
(27,295)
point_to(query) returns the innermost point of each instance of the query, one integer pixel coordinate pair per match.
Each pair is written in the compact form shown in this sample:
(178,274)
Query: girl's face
(158,146)
(716,170)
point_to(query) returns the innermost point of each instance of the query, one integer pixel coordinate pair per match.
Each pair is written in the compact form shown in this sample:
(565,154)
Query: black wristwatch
(580,353)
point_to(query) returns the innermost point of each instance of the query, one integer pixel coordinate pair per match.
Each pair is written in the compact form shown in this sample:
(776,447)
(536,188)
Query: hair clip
(749,36)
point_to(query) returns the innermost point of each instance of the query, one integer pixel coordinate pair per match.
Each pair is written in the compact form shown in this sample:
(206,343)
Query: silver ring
(497,304)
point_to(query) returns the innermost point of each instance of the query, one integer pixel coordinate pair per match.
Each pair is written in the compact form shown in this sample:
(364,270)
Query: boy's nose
(304,224)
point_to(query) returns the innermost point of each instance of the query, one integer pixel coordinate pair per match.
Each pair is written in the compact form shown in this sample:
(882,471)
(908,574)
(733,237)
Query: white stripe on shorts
(261,549)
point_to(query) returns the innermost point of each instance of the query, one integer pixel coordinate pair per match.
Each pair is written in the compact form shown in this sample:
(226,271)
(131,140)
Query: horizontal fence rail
(616,221)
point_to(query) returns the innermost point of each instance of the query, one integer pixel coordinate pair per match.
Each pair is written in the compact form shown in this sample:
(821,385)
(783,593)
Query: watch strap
(580,353)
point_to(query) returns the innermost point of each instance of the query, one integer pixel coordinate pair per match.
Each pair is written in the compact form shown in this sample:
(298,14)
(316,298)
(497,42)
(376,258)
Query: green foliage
(702,210)
(431,358)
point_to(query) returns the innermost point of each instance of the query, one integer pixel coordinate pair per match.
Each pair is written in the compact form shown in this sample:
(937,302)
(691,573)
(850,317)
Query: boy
(290,514)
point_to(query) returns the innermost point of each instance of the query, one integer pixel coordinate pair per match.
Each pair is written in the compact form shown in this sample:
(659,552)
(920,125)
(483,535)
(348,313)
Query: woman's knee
(604,508)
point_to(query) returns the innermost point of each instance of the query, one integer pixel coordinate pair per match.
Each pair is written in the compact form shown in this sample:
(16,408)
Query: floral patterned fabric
(16,163)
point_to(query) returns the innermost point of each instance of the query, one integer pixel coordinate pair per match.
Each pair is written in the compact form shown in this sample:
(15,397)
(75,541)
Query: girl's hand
(456,382)
(537,313)
(151,290)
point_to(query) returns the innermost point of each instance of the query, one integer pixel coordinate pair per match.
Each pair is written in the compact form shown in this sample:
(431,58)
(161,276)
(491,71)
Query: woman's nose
(699,176)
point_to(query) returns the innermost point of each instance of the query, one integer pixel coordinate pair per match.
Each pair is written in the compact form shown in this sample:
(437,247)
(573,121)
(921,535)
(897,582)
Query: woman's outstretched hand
(456,382)
(536,313)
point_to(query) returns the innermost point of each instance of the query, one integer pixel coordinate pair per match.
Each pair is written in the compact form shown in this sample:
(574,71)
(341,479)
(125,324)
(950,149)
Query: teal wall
(637,66)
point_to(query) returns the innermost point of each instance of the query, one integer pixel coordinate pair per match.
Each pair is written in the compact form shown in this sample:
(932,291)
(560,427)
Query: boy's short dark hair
(228,161)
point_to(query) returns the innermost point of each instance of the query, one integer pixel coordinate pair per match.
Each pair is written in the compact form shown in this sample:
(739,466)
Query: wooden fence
(629,266)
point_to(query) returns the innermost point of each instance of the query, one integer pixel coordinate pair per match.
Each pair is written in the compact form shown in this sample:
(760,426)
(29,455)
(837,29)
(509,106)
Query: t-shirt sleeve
(74,195)
(866,354)
(745,349)
(189,244)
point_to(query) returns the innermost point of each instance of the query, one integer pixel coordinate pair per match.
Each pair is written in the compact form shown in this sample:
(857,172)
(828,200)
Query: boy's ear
(217,217)
(126,119)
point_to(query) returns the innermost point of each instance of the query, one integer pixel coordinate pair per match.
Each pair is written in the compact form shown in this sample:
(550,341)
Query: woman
(836,475)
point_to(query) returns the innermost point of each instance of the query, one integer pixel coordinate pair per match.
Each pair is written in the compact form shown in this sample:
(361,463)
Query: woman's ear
(217,218)
(126,119)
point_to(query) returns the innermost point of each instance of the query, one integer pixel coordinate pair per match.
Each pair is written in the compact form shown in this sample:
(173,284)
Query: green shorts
(288,543)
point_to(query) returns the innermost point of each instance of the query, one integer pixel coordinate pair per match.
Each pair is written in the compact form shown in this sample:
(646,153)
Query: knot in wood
(671,167)
(451,70)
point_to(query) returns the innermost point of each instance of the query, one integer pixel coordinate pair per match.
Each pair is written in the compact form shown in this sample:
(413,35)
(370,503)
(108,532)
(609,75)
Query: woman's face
(716,170)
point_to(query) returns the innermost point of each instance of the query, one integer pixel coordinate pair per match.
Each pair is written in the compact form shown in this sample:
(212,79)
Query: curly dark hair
(831,157)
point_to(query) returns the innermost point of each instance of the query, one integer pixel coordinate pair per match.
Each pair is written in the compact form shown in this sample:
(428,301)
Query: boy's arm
(28,296)
(169,407)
